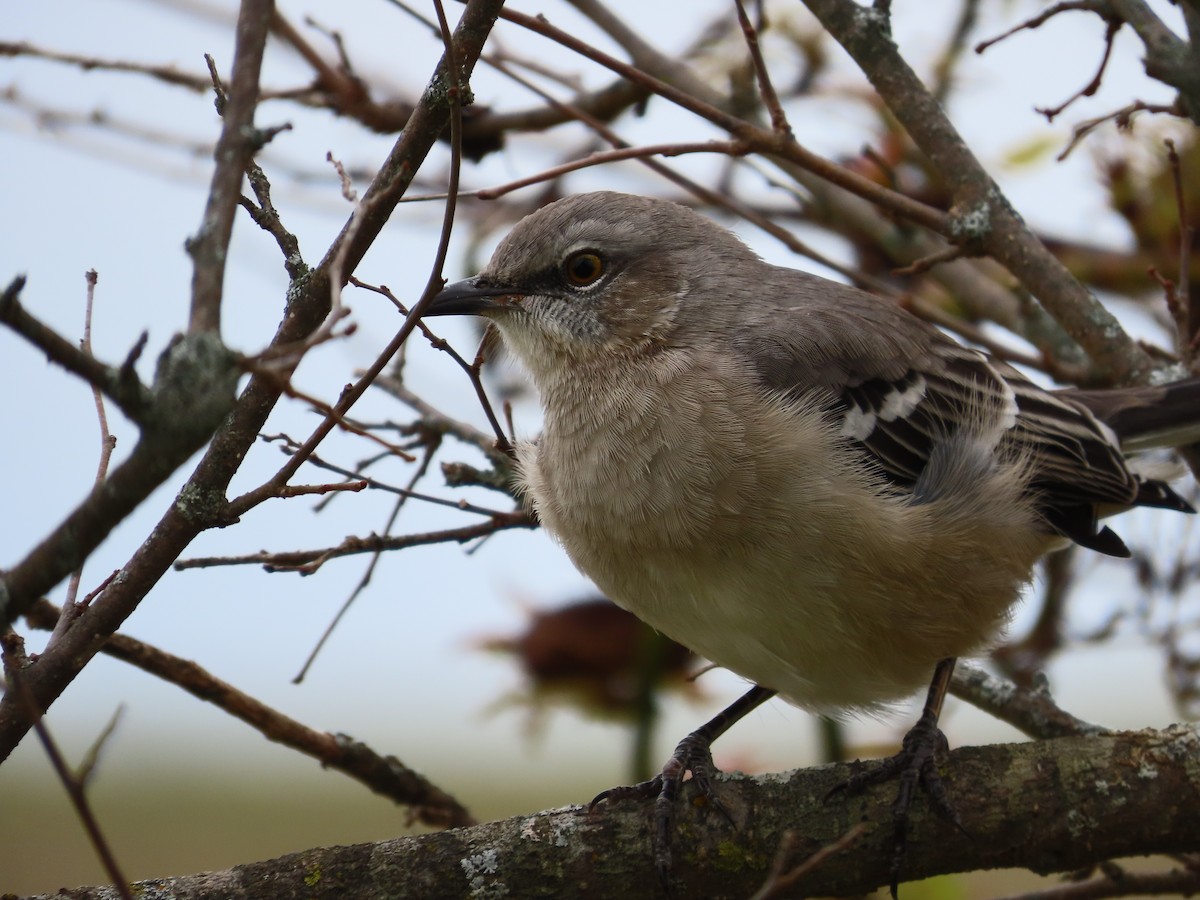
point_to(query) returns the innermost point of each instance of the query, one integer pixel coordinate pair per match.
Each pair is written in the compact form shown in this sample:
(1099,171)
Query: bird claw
(915,765)
(693,754)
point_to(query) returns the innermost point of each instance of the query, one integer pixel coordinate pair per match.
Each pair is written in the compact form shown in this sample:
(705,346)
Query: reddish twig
(473,369)
(1111,27)
(602,157)
(384,775)
(757,139)
(1096,6)
(766,90)
(1123,118)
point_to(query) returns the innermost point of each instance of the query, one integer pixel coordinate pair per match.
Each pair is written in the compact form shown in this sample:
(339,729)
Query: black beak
(472,297)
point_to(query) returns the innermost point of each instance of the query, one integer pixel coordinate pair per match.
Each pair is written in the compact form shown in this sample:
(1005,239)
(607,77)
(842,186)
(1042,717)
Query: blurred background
(109,170)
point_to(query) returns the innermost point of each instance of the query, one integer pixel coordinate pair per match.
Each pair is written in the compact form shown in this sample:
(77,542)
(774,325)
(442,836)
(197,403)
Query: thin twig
(14,661)
(603,157)
(108,442)
(119,385)
(502,442)
(308,561)
(365,580)
(766,90)
(384,775)
(758,139)
(1096,6)
(779,882)
(1112,26)
(1123,118)
(1184,310)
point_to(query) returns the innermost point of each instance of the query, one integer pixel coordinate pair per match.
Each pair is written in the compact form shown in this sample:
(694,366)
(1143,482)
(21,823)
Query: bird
(798,480)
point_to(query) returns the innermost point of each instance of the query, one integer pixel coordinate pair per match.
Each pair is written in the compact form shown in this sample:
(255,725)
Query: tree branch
(981,212)
(201,503)
(1046,806)
(238,143)
(385,775)
(119,385)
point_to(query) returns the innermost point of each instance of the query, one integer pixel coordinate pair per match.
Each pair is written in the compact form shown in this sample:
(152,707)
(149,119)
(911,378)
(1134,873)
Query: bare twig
(779,882)
(1123,118)
(166,74)
(473,369)
(119,385)
(1112,26)
(759,139)
(365,580)
(602,157)
(308,561)
(266,217)
(436,420)
(945,255)
(15,662)
(108,441)
(1096,6)
(1183,308)
(943,71)
(384,775)
(238,142)
(307,306)
(766,90)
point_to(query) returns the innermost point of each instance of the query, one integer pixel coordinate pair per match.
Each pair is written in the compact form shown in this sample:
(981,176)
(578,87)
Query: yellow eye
(583,268)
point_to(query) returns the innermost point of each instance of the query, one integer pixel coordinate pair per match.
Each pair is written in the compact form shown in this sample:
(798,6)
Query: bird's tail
(1165,415)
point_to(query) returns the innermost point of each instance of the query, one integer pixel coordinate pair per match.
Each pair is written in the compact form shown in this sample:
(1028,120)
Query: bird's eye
(583,268)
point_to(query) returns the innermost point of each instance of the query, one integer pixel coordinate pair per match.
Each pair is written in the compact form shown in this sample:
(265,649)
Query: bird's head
(595,276)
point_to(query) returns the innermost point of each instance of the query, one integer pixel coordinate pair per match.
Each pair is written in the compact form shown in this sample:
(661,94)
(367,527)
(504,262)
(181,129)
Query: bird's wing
(897,387)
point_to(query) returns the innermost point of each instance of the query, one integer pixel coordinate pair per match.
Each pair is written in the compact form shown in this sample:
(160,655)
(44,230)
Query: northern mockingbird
(800,481)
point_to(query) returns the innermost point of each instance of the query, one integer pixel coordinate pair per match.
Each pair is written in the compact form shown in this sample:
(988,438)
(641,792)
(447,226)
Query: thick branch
(1047,806)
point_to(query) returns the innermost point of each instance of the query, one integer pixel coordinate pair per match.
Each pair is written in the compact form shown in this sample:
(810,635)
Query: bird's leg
(915,764)
(692,754)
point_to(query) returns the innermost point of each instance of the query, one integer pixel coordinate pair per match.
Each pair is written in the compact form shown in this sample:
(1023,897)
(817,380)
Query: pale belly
(777,556)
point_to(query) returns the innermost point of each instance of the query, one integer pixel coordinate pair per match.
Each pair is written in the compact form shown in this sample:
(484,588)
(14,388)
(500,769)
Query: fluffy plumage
(798,480)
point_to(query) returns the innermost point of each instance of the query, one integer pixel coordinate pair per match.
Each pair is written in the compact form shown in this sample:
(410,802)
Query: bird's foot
(915,765)
(693,754)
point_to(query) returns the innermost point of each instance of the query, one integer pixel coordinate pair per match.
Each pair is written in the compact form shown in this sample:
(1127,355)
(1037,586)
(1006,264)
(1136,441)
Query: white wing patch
(858,423)
(898,404)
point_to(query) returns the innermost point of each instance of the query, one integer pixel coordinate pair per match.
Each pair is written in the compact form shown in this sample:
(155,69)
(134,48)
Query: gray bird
(795,479)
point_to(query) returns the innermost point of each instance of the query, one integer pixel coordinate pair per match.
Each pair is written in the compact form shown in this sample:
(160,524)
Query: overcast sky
(400,672)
